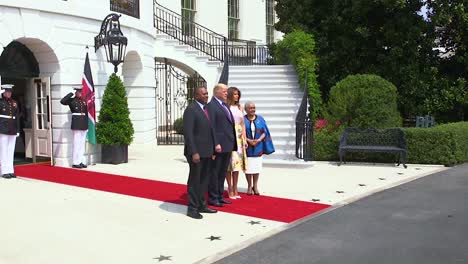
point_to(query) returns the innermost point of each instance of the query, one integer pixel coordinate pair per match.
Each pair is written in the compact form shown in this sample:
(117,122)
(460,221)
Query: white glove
(1,92)
(17,134)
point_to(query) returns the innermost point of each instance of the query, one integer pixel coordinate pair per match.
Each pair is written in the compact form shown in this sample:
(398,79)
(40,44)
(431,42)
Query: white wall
(252,24)
(173,5)
(213,15)
(57,33)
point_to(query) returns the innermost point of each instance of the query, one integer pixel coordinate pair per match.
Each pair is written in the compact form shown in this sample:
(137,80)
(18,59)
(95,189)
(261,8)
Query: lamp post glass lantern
(111,37)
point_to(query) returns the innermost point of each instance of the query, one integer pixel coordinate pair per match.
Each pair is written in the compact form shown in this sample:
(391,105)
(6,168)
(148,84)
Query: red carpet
(271,208)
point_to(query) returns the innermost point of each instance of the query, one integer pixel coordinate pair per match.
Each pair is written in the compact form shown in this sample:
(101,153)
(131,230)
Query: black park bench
(390,140)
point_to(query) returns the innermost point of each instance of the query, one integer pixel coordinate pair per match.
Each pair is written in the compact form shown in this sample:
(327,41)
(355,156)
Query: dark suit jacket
(223,126)
(198,132)
(9,125)
(77,106)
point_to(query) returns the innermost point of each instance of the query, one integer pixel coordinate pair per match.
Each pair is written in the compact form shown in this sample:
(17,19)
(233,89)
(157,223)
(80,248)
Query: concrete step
(262,68)
(272,99)
(279,93)
(265,86)
(258,76)
(171,42)
(182,47)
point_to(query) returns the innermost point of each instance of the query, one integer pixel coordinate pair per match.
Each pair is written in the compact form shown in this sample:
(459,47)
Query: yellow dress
(239,157)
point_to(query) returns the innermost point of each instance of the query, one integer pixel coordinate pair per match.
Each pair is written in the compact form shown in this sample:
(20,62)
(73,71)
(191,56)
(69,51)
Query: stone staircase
(277,96)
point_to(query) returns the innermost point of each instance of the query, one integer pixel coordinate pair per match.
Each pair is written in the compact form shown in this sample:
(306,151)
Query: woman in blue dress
(259,143)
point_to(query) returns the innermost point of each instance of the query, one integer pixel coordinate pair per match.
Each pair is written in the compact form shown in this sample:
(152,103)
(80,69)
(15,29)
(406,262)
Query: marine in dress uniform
(79,124)
(9,130)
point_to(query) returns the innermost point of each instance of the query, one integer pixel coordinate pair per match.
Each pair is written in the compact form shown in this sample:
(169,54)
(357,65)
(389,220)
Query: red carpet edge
(265,207)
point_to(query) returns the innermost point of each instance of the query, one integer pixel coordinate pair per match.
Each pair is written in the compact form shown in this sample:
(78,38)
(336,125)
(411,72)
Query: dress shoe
(207,210)
(6,176)
(194,214)
(217,204)
(225,201)
(83,166)
(77,166)
(12,175)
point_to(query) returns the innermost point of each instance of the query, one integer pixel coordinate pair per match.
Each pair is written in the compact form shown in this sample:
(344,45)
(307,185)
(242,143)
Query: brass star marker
(163,258)
(254,222)
(339,192)
(315,200)
(382,179)
(214,238)
(362,184)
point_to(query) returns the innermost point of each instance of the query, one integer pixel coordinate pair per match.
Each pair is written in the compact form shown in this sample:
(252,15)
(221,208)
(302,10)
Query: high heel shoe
(232,196)
(249,191)
(255,191)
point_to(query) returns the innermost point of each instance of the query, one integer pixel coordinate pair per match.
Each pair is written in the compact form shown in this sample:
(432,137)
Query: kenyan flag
(88,95)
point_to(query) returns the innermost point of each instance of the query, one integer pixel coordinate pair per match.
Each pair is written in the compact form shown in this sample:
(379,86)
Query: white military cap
(77,88)
(7,86)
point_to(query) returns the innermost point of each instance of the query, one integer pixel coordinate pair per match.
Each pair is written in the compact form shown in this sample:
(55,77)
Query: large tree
(449,19)
(390,38)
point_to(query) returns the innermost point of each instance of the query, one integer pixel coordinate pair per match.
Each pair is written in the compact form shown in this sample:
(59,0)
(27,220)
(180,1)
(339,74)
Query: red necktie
(206,112)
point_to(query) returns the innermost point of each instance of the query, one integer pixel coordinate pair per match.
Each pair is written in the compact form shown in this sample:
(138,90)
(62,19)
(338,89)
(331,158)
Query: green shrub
(364,101)
(179,125)
(298,48)
(326,142)
(445,144)
(114,126)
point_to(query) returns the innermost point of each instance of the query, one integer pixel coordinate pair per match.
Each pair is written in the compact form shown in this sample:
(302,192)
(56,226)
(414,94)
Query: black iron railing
(246,52)
(188,32)
(127,7)
(304,129)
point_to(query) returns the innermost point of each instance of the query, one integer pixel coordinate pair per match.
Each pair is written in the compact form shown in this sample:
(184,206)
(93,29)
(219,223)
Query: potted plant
(114,130)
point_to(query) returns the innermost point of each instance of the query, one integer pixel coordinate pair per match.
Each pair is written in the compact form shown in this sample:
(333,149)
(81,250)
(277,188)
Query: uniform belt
(79,114)
(9,117)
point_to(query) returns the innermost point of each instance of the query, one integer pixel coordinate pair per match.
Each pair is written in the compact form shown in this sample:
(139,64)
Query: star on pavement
(254,222)
(163,258)
(315,200)
(214,238)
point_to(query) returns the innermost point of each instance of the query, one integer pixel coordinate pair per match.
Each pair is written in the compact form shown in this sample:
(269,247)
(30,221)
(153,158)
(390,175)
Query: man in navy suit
(223,125)
(199,149)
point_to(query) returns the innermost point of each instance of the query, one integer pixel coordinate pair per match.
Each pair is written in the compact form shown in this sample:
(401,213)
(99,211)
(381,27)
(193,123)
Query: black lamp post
(112,39)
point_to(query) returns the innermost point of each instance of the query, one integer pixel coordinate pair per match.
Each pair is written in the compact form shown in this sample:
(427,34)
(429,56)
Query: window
(233,19)
(127,7)
(270,21)
(188,16)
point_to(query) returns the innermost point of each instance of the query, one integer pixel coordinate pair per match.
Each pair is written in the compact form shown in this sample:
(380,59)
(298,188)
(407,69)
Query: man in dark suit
(223,125)
(79,124)
(199,148)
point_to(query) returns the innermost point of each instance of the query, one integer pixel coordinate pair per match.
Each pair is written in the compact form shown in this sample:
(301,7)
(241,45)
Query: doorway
(19,67)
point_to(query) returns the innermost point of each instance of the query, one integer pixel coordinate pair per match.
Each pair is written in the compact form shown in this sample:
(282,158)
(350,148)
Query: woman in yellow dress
(239,157)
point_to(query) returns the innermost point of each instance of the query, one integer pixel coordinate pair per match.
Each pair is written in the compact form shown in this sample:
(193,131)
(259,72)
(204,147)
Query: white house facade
(45,42)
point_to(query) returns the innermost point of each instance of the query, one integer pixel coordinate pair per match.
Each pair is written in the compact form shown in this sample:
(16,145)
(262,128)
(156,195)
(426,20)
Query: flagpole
(88,88)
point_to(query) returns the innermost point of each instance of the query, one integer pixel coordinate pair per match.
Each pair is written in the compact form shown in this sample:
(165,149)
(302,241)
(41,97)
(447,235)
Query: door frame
(46,80)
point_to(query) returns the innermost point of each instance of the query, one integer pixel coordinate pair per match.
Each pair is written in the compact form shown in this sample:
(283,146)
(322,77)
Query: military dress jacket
(9,119)
(79,112)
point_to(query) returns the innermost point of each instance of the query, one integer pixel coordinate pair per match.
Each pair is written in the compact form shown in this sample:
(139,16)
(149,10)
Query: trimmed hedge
(444,144)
